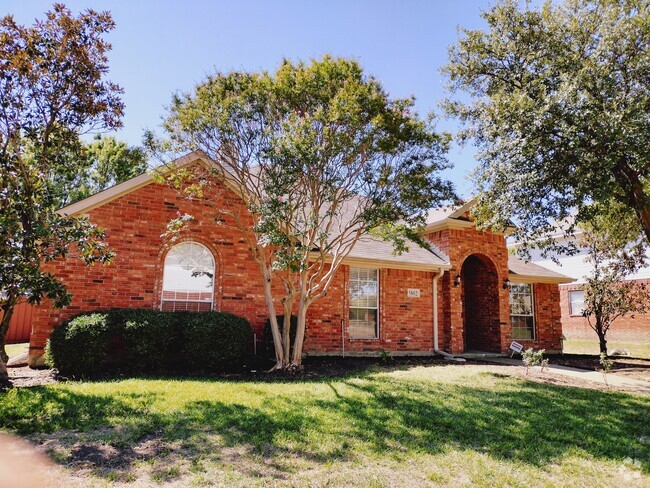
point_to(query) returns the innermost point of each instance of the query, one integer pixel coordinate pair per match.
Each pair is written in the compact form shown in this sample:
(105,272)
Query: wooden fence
(20,326)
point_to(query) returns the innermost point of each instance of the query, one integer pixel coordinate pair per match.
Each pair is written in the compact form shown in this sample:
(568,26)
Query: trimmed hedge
(147,341)
(151,338)
(80,345)
(214,340)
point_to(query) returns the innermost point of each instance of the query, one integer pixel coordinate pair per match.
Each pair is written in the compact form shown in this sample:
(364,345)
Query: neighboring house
(574,325)
(454,297)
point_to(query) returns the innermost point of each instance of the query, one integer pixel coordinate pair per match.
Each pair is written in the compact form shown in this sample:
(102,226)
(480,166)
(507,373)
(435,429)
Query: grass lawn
(639,349)
(417,426)
(16,349)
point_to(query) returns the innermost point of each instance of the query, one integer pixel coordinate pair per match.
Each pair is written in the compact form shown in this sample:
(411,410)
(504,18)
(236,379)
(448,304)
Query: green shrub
(215,340)
(151,338)
(530,357)
(267,336)
(147,341)
(80,346)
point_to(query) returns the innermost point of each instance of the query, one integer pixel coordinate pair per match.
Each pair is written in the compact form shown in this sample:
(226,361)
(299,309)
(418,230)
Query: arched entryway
(480,282)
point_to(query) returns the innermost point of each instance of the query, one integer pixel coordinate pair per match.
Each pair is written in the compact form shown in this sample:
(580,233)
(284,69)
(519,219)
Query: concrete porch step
(481,355)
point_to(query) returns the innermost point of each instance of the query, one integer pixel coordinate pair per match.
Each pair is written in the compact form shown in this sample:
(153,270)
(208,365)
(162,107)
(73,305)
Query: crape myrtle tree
(557,99)
(52,89)
(612,259)
(321,156)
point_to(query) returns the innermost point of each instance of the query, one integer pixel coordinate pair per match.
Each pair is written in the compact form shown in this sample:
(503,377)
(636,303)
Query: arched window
(188,278)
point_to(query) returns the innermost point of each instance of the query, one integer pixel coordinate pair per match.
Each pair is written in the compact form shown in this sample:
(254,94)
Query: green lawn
(16,349)
(639,349)
(421,426)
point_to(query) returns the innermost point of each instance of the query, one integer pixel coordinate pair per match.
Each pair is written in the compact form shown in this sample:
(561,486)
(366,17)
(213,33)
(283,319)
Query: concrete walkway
(583,374)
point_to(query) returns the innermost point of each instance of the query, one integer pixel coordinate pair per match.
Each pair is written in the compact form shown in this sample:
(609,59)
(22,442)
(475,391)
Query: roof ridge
(437,252)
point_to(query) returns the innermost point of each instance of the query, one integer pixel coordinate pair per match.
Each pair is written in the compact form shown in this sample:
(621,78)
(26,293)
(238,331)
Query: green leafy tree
(103,163)
(321,157)
(607,294)
(556,98)
(52,89)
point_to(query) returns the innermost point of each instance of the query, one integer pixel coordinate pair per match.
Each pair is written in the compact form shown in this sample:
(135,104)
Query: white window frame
(532,311)
(377,307)
(164,300)
(579,314)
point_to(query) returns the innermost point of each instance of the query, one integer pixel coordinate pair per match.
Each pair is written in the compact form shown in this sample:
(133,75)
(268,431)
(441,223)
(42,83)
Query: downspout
(436,348)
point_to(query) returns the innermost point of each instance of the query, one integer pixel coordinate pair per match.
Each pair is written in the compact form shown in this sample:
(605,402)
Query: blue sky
(163,46)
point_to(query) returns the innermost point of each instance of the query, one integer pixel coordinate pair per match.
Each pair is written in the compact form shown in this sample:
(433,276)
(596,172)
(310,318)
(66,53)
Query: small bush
(80,346)
(530,357)
(215,340)
(267,336)
(607,365)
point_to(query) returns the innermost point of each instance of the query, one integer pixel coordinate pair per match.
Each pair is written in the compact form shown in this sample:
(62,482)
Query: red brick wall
(548,323)
(459,244)
(626,328)
(405,324)
(489,248)
(134,224)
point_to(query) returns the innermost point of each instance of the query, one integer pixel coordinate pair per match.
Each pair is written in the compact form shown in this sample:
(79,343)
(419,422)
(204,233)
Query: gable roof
(121,189)
(453,216)
(527,272)
(368,251)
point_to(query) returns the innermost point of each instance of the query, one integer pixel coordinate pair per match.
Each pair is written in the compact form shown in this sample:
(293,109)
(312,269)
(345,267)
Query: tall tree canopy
(557,99)
(321,157)
(52,89)
(97,165)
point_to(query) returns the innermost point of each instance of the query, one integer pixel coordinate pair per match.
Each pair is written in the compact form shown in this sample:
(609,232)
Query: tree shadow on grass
(364,414)
(111,433)
(534,423)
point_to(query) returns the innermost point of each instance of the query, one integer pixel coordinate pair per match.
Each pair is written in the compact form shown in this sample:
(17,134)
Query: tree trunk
(273,319)
(300,330)
(603,343)
(634,191)
(286,332)
(8,311)
(600,330)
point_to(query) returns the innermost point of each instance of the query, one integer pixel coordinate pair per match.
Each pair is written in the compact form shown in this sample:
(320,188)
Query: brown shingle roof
(532,272)
(368,248)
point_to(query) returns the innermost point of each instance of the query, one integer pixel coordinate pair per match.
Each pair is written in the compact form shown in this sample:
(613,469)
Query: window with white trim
(364,303)
(522,312)
(188,278)
(576,302)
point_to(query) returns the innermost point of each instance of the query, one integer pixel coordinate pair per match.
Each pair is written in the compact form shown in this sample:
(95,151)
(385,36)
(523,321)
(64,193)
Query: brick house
(454,297)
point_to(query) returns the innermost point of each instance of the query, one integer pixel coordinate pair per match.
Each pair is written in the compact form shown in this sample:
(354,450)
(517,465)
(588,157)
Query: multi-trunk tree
(321,157)
(52,89)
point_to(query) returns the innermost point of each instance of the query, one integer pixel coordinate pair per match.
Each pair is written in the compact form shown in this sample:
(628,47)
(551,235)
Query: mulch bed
(25,377)
(332,367)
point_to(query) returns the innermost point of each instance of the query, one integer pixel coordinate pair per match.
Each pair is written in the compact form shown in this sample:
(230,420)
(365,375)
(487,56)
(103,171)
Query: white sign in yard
(413,293)
(515,347)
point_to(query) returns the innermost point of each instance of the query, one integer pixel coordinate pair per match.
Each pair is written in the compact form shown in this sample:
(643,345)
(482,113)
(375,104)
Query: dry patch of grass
(16,349)
(638,349)
(407,426)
